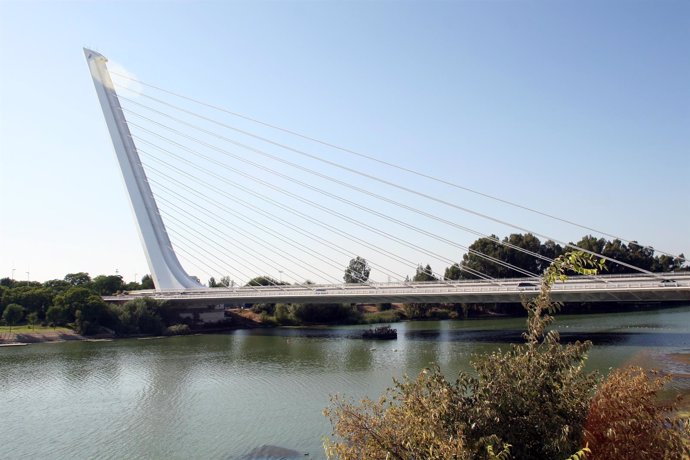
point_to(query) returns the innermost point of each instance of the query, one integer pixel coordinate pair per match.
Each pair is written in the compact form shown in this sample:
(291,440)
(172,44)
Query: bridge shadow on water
(622,338)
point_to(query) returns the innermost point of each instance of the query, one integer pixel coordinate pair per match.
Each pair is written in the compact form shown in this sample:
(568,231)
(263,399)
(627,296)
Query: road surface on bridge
(612,288)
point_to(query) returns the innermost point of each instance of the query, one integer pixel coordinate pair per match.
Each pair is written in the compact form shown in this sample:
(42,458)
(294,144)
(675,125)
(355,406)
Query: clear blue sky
(581,109)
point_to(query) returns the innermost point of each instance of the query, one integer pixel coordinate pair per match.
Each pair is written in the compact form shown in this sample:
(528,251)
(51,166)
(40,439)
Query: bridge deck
(675,287)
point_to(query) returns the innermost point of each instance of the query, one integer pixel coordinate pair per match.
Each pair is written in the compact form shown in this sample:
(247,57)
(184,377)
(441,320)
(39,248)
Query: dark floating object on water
(383,333)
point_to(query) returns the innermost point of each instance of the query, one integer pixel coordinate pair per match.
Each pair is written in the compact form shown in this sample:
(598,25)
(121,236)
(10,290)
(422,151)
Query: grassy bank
(37,334)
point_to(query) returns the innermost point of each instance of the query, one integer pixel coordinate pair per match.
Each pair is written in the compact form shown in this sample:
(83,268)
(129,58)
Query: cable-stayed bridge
(239,203)
(609,288)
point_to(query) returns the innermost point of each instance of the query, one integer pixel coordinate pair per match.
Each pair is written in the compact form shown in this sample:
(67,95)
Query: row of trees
(631,254)
(517,250)
(75,299)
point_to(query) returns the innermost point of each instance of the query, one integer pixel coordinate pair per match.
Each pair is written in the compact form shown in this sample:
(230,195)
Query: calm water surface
(229,396)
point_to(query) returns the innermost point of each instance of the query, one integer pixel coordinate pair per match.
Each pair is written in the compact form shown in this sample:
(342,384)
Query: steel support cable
(371,158)
(184,248)
(260,211)
(227,237)
(311,187)
(447,203)
(209,253)
(318,206)
(220,266)
(191,230)
(267,229)
(324,176)
(287,208)
(214,269)
(225,251)
(300,214)
(325,209)
(188,261)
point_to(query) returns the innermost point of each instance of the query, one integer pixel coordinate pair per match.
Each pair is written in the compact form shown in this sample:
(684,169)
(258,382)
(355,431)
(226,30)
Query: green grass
(26,329)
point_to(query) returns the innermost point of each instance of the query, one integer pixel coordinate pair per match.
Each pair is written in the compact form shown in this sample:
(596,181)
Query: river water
(236,395)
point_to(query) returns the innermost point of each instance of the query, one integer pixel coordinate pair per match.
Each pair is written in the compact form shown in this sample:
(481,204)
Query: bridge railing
(404,290)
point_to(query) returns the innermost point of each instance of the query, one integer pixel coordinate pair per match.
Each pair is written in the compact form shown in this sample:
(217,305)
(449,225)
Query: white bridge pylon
(166,270)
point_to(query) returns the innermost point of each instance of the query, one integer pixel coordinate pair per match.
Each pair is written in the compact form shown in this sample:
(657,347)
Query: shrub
(140,316)
(268,308)
(282,314)
(416,310)
(56,316)
(626,419)
(178,329)
(416,419)
(325,313)
(266,319)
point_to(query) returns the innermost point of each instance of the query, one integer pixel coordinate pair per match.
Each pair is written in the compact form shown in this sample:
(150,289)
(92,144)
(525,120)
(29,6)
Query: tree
(225,281)
(212,282)
(147,282)
(13,314)
(265,281)
(108,284)
(282,314)
(454,272)
(424,274)
(141,316)
(7,282)
(357,271)
(33,299)
(55,316)
(78,279)
(32,319)
(489,246)
(87,319)
(73,299)
(522,259)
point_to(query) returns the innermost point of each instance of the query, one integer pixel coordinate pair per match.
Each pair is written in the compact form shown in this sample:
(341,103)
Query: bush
(325,313)
(282,314)
(626,420)
(13,314)
(385,306)
(439,314)
(416,310)
(139,316)
(268,308)
(56,316)
(178,329)
(266,319)
(414,420)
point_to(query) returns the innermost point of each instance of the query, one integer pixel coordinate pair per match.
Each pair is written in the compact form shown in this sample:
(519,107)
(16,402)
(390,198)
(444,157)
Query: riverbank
(38,334)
